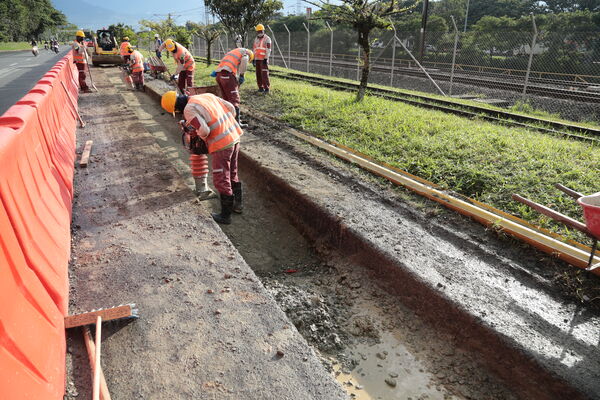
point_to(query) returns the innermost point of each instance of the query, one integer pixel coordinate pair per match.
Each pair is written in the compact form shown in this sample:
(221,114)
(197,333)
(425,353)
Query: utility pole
(423,29)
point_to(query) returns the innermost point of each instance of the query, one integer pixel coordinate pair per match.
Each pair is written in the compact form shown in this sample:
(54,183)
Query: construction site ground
(397,298)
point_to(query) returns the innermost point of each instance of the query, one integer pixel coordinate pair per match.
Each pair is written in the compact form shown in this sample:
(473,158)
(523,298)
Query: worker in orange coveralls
(136,61)
(230,75)
(262,51)
(185,64)
(123,49)
(210,127)
(80,59)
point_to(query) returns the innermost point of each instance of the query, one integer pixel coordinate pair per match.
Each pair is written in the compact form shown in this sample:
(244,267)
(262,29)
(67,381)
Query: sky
(99,13)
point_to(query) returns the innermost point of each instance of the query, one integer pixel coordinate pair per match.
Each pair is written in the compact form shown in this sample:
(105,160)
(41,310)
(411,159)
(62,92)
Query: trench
(376,347)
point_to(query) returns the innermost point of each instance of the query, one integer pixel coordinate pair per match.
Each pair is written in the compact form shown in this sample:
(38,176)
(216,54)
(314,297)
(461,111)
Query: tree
(27,19)
(241,16)
(363,16)
(121,30)
(208,33)
(165,28)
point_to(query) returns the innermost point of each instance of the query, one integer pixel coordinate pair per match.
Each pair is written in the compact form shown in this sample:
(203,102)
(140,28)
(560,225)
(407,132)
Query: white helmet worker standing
(262,52)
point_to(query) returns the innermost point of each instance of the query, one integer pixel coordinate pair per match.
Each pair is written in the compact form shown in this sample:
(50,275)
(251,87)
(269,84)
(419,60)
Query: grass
(478,159)
(11,46)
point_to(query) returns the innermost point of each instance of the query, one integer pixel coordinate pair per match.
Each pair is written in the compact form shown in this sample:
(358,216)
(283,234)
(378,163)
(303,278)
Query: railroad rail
(576,132)
(490,81)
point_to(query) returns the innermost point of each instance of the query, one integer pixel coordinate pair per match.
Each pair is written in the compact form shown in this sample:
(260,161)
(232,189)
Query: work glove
(174,77)
(213,74)
(242,79)
(265,62)
(254,63)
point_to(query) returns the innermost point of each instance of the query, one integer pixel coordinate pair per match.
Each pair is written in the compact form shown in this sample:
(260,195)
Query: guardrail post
(289,45)
(307,47)
(453,54)
(533,42)
(330,49)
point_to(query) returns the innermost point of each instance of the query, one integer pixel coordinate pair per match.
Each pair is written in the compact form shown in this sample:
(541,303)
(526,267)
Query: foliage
(241,16)
(208,33)
(165,28)
(121,30)
(27,19)
(364,16)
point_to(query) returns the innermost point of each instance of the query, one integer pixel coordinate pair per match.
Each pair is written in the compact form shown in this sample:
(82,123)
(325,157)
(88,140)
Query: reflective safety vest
(124,46)
(224,129)
(232,60)
(260,47)
(137,61)
(184,57)
(78,49)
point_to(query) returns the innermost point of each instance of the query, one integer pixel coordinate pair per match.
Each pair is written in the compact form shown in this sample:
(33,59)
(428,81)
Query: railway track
(469,111)
(494,82)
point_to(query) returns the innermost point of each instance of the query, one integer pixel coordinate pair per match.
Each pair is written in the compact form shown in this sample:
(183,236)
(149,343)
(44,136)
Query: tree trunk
(208,45)
(363,41)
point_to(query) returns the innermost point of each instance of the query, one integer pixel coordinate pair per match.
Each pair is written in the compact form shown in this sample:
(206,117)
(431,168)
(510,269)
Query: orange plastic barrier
(37,156)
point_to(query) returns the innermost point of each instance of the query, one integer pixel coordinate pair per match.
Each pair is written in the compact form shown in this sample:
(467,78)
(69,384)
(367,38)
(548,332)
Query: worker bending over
(230,75)
(210,123)
(185,64)
(123,50)
(262,52)
(136,61)
(80,59)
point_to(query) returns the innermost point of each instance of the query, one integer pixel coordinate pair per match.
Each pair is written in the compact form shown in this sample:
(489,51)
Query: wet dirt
(377,348)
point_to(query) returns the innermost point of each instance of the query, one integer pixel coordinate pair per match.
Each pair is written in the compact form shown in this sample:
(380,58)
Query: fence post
(289,45)
(533,41)
(226,41)
(307,48)
(278,48)
(393,54)
(358,63)
(330,49)
(453,53)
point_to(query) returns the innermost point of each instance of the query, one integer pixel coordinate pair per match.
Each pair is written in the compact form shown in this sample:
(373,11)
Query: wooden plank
(97,368)
(108,314)
(85,156)
(91,350)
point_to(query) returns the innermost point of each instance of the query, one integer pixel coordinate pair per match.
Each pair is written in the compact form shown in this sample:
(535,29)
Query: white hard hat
(156,35)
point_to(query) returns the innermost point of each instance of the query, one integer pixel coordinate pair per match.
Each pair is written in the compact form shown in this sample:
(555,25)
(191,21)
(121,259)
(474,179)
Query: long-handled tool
(81,123)
(90,71)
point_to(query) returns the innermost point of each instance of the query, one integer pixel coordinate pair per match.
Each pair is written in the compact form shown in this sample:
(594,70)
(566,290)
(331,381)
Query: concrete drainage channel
(335,287)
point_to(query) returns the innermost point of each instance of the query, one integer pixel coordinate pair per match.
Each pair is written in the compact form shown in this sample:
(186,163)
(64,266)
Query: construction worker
(211,120)
(230,75)
(185,64)
(136,61)
(262,52)
(123,50)
(80,59)
(158,45)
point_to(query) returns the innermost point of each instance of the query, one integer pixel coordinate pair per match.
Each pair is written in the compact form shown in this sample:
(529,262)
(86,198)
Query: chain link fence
(552,74)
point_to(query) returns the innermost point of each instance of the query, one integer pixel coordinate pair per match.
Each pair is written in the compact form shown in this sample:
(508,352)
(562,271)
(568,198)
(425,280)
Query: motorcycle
(55,48)
(34,51)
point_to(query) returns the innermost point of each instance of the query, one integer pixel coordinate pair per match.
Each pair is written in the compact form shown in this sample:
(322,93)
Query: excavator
(105,50)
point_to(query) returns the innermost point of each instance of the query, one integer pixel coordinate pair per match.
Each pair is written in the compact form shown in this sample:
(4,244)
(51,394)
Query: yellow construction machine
(105,49)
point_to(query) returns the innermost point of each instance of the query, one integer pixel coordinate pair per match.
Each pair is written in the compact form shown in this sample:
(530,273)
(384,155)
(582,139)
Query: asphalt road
(20,71)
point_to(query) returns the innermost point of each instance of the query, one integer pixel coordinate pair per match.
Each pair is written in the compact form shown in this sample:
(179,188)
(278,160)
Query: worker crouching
(212,120)
(136,62)
(230,75)
(185,64)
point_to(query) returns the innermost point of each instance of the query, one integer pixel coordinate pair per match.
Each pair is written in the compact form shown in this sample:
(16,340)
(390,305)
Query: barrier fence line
(37,154)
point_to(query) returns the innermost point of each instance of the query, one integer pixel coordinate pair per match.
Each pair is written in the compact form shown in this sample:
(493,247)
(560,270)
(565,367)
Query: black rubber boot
(237,118)
(226,208)
(238,197)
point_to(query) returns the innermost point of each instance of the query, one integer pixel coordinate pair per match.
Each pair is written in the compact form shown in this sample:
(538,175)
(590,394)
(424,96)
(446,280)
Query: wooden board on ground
(85,156)
(108,314)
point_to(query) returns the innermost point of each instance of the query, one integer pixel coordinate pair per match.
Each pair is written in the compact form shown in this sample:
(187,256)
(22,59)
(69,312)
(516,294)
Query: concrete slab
(207,328)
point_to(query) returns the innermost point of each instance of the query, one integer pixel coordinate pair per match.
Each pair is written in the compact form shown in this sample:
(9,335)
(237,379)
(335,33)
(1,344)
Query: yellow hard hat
(250,54)
(79,34)
(168,101)
(260,27)
(126,39)
(170,44)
